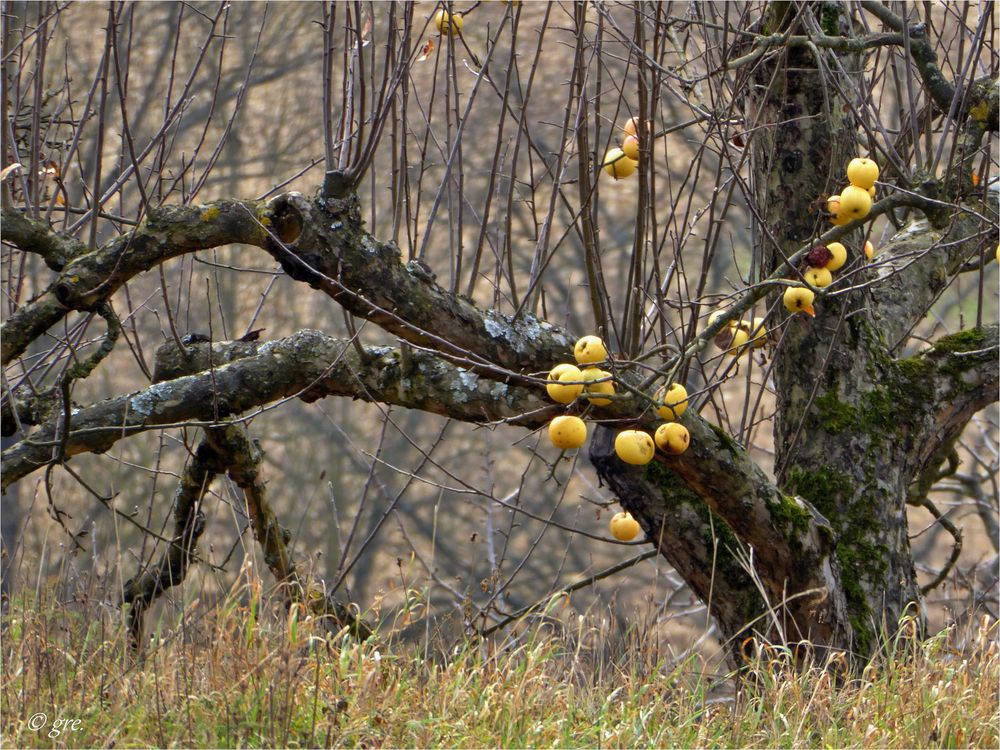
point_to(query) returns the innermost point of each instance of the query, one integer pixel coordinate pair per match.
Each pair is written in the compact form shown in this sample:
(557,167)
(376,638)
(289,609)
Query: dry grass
(234,676)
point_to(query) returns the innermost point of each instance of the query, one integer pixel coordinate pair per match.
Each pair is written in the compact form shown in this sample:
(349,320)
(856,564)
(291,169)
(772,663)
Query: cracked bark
(306,365)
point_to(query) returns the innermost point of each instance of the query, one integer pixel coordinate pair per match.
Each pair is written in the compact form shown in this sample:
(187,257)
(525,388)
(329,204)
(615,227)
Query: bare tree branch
(146,587)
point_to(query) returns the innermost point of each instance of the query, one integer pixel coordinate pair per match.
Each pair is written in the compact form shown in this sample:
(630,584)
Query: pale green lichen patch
(469,386)
(496,325)
(145,402)
(522,335)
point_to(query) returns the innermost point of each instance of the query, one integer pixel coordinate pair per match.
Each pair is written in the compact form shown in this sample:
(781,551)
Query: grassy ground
(233,677)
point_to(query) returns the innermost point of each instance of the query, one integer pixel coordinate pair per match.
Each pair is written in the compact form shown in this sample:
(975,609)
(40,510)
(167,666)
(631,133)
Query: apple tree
(461,212)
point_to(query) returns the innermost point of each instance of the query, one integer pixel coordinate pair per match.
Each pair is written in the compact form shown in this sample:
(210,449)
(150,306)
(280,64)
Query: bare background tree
(180,295)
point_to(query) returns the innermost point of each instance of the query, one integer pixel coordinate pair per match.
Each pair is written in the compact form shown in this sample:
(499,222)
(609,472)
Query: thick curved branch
(916,265)
(321,242)
(698,544)
(33,236)
(957,377)
(89,280)
(242,459)
(146,586)
(307,365)
(329,248)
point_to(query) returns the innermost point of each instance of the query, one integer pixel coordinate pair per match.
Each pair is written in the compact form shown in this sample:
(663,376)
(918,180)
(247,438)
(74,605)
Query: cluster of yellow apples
(448,23)
(740,337)
(637,447)
(567,382)
(855,200)
(821,262)
(621,162)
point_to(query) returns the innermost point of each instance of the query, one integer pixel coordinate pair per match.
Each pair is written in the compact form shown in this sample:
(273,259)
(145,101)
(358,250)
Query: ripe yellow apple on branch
(839,258)
(674,400)
(448,23)
(672,437)
(623,527)
(567,432)
(799,299)
(618,165)
(598,381)
(630,146)
(564,383)
(589,350)
(855,202)
(818,277)
(635,447)
(862,173)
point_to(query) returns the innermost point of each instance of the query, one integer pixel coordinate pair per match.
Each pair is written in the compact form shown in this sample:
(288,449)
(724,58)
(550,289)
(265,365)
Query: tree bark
(853,424)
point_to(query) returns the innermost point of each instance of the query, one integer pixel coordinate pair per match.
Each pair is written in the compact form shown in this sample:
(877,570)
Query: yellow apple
(759,333)
(623,527)
(839,256)
(833,208)
(618,165)
(635,447)
(564,383)
(855,203)
(448,23)
(818,277)
(862,172)
(672,437)
(567,432)
(869,250)
(559,369)
(632,127)
(605,386)
(799,299)
(630,147)
(589,349)
(674,401)
(738,343)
